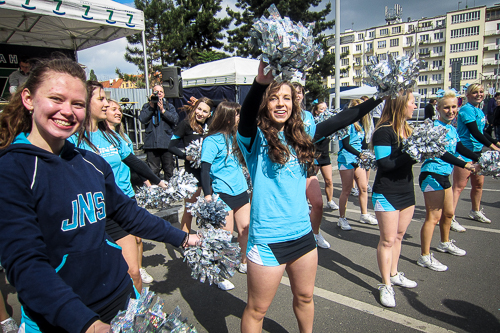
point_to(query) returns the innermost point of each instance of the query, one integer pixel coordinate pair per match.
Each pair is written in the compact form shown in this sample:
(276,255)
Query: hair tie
(315,102)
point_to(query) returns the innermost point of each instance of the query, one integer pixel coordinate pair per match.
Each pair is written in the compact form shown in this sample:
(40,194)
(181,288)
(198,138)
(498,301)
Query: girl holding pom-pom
(278,152)
(349,149)
(470,125)
(190,129)
(393,194)
(219,163)
(434,182)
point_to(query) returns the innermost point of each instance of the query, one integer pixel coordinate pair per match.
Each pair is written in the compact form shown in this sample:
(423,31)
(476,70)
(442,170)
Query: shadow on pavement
(210,305)
(469,316)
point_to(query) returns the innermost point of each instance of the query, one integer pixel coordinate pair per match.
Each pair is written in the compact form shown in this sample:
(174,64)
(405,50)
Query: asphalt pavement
(466,298)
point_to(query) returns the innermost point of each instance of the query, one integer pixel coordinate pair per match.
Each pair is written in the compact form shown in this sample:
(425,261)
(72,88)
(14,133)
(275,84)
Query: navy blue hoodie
(52,232)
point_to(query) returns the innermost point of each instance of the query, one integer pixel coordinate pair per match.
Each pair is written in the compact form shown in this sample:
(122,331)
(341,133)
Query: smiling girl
(190,129)
(55,198)
(278,152)
(434,182)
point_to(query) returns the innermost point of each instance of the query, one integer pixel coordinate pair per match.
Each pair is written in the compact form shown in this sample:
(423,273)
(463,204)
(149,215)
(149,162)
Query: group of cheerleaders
(269,133)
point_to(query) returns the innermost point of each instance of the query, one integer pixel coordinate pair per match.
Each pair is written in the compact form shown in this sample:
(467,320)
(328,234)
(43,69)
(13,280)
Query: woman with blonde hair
(393,194)
(349,151)
(435,184)
(470,125)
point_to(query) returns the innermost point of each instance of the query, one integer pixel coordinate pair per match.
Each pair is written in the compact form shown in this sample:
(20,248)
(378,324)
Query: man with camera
(160,118)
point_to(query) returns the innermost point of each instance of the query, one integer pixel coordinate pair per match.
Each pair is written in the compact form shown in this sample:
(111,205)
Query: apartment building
(470,35)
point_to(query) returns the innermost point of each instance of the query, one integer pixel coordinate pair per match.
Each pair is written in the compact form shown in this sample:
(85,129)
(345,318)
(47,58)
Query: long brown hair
(118,128)
(16,118)
(294,132)
(365,121)
(191,113)
(394,115)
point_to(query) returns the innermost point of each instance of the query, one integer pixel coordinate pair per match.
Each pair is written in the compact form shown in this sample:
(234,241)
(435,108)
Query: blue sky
(356,14)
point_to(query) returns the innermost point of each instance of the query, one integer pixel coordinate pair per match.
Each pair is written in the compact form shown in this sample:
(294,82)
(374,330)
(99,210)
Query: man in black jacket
(430,109)
(160,119)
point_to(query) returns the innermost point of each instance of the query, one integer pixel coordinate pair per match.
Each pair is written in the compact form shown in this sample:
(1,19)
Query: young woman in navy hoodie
(55,198)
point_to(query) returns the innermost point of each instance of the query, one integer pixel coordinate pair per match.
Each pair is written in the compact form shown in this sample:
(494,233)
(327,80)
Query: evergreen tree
(177,32)
(92,76)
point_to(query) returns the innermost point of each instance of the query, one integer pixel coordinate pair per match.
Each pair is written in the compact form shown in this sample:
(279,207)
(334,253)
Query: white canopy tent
(233,70)
(69,24)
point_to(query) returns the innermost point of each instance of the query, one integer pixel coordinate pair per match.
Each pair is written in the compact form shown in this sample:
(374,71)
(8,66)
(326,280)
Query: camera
(154,97)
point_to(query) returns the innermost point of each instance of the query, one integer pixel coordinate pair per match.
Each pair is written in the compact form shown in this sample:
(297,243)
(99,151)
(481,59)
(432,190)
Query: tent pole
(337,54)
(146,75)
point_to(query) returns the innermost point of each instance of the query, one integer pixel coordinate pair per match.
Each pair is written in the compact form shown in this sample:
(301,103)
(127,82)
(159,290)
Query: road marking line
(472,227)
(374,310)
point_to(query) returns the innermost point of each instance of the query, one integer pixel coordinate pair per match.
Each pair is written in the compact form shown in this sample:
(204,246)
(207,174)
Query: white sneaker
(9,325)
(368,218)
(400,280)
(355,192)
(145,277)
(369,189)
(451,248)
(479,216)
(343,224)
(387,296)
(225,285)
(321,241)
(242,268)
(332,205)
(430,262)
(455,226)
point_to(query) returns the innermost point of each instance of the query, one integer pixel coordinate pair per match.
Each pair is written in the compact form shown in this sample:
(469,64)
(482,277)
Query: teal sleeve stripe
(113,244)
(62,263)
(174,137)
(382,151)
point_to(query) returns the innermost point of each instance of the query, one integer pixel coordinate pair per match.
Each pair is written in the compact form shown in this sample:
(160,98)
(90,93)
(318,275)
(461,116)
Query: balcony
(356,64)
(409,45)
(422,28)
(438,54)
(437,68)
(358,77)
(490,62)
(440,40)
(422,42)
(492,32)
(423,82)
(436,81)
(425,69)
(424,54)
(369,50)
(493,47)
(357,52)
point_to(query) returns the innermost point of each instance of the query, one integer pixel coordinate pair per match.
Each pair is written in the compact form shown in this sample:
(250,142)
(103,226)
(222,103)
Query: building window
(382,56)
(498,26)
(361,36)
(422,91)
(498,41)
(469,75)
(424,38)
(409,41)
(497,56)
(345,49)
(369,46)
(408,53)
(371,34)
(467,61)
(384,32)
(422,78)
(358,47)
(438,35)
(344,62)
(464,32)
(425,65)
(437,49)
(358,84)
(426,24)
(437,77)
(424,51)
(344,74)
(357,72)
(437,63)
(440,23)
(381,44)
(434,91)
(461,47)
(465,17)
(357,61)
(394,42)
(411,28)
(394,54)
(344,84)
(396,30)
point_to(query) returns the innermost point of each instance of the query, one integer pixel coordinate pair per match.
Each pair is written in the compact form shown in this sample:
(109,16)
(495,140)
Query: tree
(137,79)
(177,32)
(208,56)
(92,76)
(296,10)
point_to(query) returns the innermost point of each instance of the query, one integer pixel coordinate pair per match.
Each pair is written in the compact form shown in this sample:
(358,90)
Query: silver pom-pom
(248,179)
(146,315)
(182,185)
(392,75)
(194,151)
(490,163)
(288,48)
(369,161)
(327,114)
(215,258)
(426,141)
(208,212)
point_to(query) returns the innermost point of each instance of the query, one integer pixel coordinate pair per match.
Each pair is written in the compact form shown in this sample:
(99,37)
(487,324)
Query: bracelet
(186,240)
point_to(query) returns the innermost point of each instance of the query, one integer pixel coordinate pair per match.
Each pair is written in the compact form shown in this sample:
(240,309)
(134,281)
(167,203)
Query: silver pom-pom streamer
(392,75)
(146,315)
(194,151)
(208,212)
(490,163)
(288,48)
(182,185)
(426,141)
(341,133)
(215,258)
(369,161)
(248,179)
